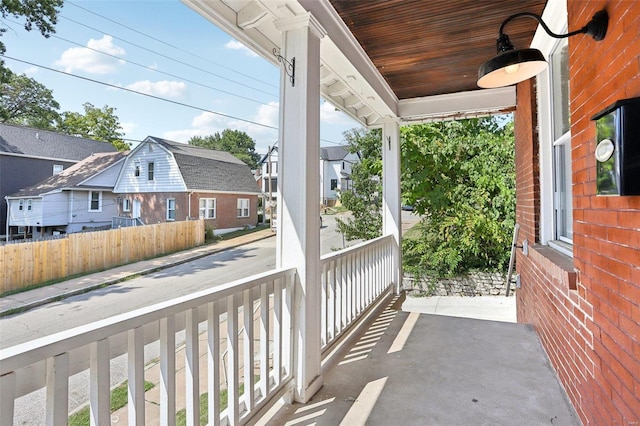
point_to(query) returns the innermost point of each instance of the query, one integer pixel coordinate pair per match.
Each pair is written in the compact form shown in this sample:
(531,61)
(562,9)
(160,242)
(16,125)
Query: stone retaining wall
(473,284)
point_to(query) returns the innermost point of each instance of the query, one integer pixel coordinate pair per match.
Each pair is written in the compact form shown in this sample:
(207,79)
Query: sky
(199,79)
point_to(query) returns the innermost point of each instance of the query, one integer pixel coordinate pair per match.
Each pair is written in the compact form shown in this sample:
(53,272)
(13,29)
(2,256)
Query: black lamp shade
(511,67)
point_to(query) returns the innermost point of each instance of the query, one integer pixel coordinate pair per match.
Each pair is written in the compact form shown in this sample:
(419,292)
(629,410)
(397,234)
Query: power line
(141,93)
(168,44)
(159,54)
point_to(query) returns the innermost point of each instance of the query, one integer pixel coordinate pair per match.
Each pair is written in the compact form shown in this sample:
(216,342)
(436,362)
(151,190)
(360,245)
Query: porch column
(391,199)
(298,237)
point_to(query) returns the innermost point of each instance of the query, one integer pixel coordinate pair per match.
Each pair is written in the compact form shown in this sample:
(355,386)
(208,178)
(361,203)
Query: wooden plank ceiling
(433,47)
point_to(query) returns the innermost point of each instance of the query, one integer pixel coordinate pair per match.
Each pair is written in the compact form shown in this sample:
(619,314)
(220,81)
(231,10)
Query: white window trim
(20,205)
(126,205)
(57,168)
(555,15)
(239,206)
(207,207)
(174,209)
(99,209)
(151,175)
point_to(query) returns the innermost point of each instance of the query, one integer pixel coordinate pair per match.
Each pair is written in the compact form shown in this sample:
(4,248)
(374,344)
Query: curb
(34,304)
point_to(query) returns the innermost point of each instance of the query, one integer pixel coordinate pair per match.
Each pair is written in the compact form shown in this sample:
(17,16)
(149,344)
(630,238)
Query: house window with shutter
(207,208)
(171,209)
(243,207)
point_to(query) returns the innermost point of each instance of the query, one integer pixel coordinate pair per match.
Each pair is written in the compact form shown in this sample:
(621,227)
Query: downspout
(189,217)
(6,200)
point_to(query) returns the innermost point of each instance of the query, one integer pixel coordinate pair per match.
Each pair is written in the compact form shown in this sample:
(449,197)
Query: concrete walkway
(29,299)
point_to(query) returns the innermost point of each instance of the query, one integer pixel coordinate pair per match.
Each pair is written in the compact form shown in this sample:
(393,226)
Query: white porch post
(391,199)
(298,238)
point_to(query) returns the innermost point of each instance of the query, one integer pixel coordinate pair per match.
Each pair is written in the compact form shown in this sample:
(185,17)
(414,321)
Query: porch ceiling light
(513,65)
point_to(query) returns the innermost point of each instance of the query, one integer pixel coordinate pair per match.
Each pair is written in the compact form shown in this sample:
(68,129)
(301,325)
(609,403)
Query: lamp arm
(542,24)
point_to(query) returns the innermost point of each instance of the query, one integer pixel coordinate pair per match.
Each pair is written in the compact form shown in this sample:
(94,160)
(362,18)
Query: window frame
(170,210)
(126,204)
(203,210)
(333,184)
(151,170)
(555,15)
(99,201)
(242,210)
(20,205)
(58,167)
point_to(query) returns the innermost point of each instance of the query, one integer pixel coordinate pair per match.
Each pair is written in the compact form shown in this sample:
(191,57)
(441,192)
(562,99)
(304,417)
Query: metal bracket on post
(289,66)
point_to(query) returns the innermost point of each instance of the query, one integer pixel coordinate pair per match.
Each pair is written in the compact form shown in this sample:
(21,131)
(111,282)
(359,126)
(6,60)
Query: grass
(119,398)
(241,232)
(415,232)
(181,416)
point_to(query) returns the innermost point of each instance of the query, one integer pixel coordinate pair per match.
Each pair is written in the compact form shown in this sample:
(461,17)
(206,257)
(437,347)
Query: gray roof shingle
(208,169)
(42,143)
(333,153)
(74,175)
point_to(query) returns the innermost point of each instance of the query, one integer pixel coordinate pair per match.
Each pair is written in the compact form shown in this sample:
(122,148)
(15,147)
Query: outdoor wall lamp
(513,65)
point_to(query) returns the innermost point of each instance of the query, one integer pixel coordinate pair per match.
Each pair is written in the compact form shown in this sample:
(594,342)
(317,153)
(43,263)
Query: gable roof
(74,176)
(31,142)
(208,169)
(333,153)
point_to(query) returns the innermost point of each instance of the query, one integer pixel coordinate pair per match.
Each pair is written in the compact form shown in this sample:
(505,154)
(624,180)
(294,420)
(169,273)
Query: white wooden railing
(50,361)
(248,322)
(352,279)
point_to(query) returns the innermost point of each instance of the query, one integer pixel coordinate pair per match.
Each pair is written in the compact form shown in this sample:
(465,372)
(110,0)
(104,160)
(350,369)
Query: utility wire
(162,55)
(168,44)
(163,72)
(141,93)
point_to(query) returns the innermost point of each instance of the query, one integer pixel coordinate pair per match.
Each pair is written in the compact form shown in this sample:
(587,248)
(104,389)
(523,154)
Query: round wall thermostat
(604,150)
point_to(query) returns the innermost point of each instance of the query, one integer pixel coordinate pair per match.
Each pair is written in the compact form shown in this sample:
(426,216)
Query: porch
(378,363)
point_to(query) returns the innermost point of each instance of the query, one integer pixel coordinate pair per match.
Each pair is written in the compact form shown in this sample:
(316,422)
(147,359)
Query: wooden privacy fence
(36,262)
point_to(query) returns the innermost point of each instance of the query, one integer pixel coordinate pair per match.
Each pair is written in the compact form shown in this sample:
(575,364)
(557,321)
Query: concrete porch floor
(408,368)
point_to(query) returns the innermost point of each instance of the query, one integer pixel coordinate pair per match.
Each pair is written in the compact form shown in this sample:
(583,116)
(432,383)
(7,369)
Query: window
(150,170)
(95,201)
(57,168)
(171,208)
(137,169)
(21,205)
(556,209)
(207,208)
(126,205)
(29,202)
(334,184)
(243,207)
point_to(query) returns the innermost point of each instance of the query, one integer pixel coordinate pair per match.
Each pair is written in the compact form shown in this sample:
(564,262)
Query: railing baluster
(277,331)
(213,360)
(168,371)
(57,390)
(334,299)
(288,324)
(192,368)
(264,340)
(324,317)
(135,359)
(248,350)
(232,362)
(7,401)
(99,389)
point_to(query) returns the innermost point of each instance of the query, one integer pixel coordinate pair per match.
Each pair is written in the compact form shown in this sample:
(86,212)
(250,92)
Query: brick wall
(587,310)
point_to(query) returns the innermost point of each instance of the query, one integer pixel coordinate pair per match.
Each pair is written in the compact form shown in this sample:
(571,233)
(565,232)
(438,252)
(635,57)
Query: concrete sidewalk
(31,298)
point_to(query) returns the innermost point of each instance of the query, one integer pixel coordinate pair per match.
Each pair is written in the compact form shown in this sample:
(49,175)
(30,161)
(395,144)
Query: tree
(41,14)
(236,142)
(460,176)
(99,124)
(25,101)
(365,199)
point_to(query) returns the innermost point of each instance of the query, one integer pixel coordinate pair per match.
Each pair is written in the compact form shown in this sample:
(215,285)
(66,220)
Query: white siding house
(335,172)
(76,199)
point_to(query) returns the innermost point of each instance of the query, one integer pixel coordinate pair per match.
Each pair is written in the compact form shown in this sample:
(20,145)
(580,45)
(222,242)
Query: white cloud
(31,71)
(129,127)
(92,61)
(236,45)
(165,89)
(329,114)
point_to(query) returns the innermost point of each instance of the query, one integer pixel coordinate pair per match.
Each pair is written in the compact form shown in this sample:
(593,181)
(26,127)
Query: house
(335,172)
(76,199)
(386,64)
(28,156)
(163,181)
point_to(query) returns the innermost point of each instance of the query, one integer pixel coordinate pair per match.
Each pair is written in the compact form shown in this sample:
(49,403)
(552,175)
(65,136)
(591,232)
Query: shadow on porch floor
(407,368)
